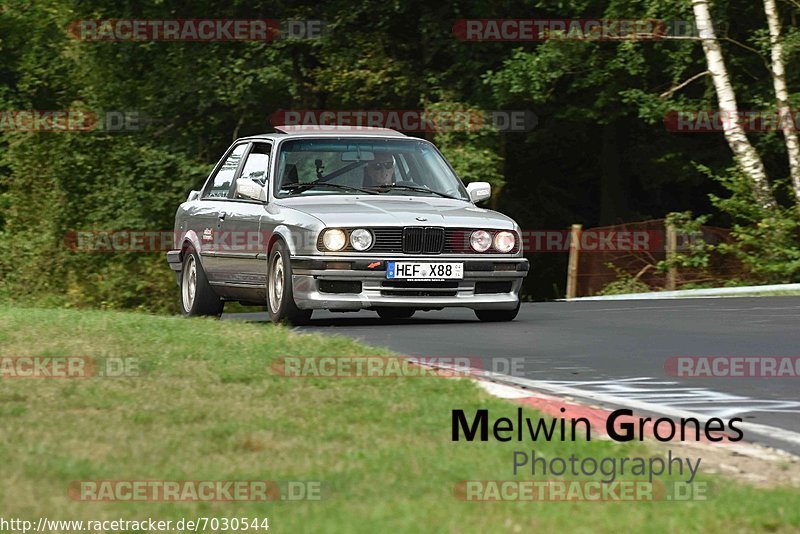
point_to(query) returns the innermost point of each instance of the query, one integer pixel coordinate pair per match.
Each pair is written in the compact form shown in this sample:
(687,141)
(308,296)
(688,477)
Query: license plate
(407,270)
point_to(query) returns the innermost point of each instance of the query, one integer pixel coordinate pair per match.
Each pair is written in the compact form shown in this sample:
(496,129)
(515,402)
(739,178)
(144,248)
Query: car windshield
(405,167)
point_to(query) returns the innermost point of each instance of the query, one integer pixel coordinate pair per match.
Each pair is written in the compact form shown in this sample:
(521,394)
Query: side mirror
(247,188)
(193,195)
(479,191)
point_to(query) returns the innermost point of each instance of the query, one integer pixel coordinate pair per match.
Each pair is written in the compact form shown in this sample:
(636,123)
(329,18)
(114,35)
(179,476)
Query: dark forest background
(599,153)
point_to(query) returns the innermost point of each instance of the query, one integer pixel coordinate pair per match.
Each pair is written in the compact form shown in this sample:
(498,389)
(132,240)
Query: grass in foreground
(208,407)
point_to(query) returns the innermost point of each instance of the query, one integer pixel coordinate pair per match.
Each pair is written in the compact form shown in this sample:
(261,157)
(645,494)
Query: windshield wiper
(299,188)
(385,188)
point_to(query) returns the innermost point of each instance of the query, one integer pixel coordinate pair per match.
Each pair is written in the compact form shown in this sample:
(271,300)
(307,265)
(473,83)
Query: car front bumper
(347,283)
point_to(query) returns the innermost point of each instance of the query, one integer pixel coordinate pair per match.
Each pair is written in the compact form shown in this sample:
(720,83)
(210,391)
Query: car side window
(256,166)
(221,183)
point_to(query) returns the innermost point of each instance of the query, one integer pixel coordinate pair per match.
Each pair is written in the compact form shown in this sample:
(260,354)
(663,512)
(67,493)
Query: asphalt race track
(614,350)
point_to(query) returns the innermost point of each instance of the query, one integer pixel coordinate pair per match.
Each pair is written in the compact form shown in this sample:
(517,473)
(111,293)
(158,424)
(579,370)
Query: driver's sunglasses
(382,165)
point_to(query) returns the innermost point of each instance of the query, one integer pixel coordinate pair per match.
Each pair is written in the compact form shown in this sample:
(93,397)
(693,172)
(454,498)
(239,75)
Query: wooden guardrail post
(572,268)
(671,249)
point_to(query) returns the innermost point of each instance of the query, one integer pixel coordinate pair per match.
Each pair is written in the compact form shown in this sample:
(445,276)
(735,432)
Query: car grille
(458,242)
(423,240)
(420,284)
(417,240)
(417,293)
(488,288)
(339,286)
(419,288)
(387,240)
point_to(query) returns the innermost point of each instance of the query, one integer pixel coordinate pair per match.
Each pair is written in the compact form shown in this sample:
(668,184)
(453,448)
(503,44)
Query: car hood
(372,211)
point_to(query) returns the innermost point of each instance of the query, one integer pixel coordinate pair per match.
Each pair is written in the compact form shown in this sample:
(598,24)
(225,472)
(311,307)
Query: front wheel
(280,300)
(497,316)
(197,296)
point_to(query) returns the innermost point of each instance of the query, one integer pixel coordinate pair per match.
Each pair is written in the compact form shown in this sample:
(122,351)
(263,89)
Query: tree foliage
(598,154)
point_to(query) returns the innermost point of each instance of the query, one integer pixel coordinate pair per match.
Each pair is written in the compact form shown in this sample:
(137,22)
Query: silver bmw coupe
(343,219)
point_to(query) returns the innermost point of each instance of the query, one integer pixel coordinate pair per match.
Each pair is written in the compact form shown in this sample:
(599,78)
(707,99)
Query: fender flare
(190,239)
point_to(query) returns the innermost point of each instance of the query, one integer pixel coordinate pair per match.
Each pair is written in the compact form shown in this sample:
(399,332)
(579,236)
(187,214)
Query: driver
(379,171)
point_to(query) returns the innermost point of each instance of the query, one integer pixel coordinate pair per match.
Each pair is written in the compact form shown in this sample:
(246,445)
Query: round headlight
(504,242)
(361,239)
(334,239)
(480,240)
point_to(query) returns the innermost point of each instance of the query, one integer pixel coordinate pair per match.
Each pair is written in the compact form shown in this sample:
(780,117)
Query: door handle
(222,215)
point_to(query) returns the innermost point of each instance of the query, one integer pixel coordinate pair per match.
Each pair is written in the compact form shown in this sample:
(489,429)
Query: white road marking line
(683,308)
(676,308)
(746,449)
(503,391)
(713,403)
(772,432)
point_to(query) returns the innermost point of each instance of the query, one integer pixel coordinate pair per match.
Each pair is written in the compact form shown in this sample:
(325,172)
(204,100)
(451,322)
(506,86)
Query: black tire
(395,313)
(280,300)
(200,299)
(497,316)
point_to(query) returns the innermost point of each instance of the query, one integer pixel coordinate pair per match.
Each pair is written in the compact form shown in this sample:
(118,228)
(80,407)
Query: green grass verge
(208,406)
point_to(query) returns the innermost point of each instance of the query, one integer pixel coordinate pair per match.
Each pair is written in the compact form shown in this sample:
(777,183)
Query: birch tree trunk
(782,95)
(745,154)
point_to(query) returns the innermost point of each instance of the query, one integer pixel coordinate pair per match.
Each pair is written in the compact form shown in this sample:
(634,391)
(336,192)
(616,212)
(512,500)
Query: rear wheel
(497,316)
(197,296)
(280,300)
(395,313)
